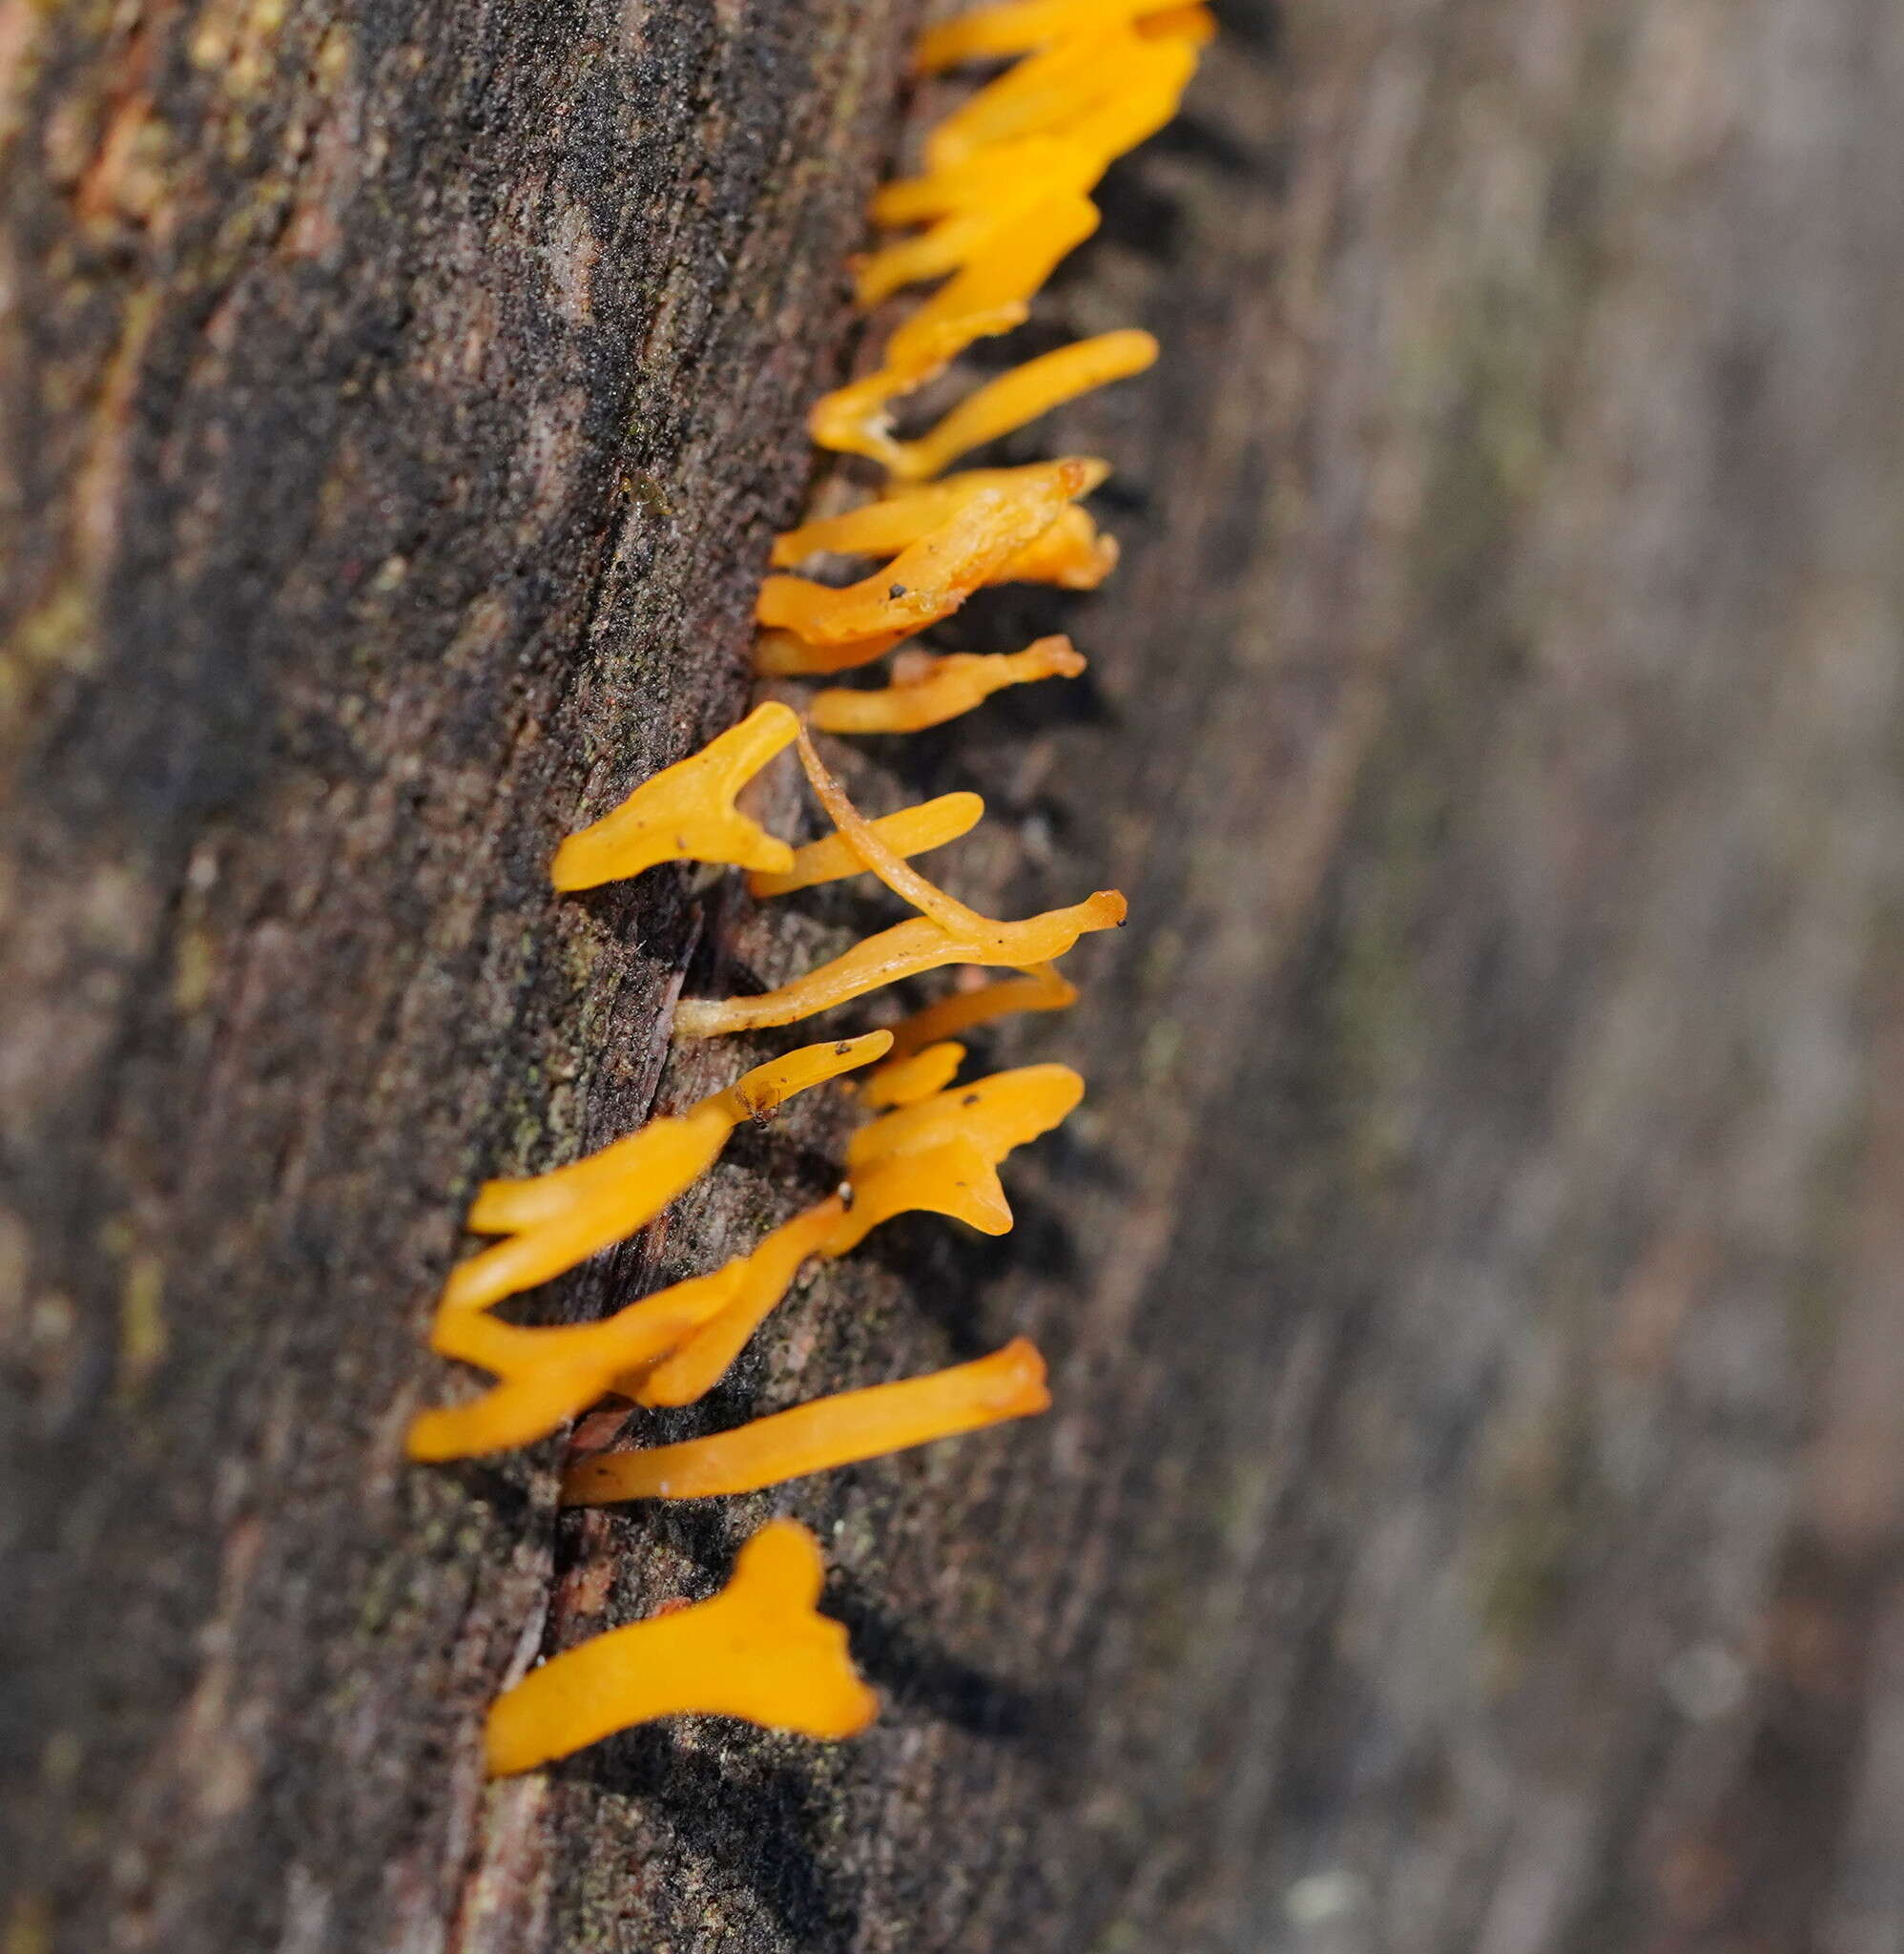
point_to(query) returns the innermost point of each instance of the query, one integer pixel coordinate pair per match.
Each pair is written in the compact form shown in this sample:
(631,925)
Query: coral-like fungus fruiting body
(686,812)
(547,1376)
(814,1438)
(758,1650)
(1041,989)
(939,1155)
(928,580)
(911,1080)
(1071,554)
(1017,261)
(555,1220)
(1018,26)
(1068,553)
(1094,93)
(700,1361)
(974,180)
(882,528)
(1056,98)
(854,419)
(945,932)
(929,691)
(911,831)
(987,296)
(1021,396)
(907,949)
(1139,82)
(962,234)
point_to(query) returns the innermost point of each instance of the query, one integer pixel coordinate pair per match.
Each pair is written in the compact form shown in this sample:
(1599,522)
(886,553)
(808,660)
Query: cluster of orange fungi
(1003,195)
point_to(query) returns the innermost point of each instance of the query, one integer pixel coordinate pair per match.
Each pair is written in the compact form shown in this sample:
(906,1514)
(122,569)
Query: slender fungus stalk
(1061,118)
(759,1649)
(988,296)
(912,831)
(854,419)
(1022,396)
(864,840)
(686,812)
(786,654)
(928,579)
(814,1438)
(964,233)
(907,949)
(558,1220)
(976,178)
(1029,100)
(1019,257)
(547,1376)
(882,528)
(911,1080)
(1041,989)
(946,932)
(932,690)
(701,1360)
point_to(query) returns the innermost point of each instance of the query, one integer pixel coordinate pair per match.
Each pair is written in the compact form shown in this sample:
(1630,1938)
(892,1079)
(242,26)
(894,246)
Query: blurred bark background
(1469,1522)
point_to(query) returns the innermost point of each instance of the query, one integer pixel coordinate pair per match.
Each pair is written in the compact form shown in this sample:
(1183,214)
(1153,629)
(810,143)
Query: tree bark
(1469,1515)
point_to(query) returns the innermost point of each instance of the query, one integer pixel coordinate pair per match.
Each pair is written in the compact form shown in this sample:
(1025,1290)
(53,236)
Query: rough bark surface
(1470,1517)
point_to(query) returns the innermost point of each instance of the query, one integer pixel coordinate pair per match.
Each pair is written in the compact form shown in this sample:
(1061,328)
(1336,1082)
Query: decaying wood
(1469,1519)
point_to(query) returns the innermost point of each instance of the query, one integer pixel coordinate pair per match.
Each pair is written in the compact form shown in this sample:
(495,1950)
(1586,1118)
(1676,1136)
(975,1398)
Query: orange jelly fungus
(1064,98)
(989,295)
(758,1650)
(945,932)
(1060,119)
(700,1361)
(547,1376)
(957,237)
(1018,26)
(928,579)
(911,831)
(557,1219)
(927,690)
(1040,988)
(939,1155)
(839,1430)
(686,812)
(1021,396)
(907,949)
(1070,552)
(909,1080)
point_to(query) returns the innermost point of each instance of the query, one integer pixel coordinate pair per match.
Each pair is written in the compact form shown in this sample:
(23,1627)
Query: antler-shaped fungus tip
(760,1279)
(686,812)
(945,932)
(755,1093)
(905,1081)
(911,831)
(557,1219)
(758,1650)
(940,1155)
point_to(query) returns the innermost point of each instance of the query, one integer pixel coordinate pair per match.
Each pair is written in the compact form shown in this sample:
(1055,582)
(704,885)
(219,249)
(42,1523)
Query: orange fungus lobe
(758,1650)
